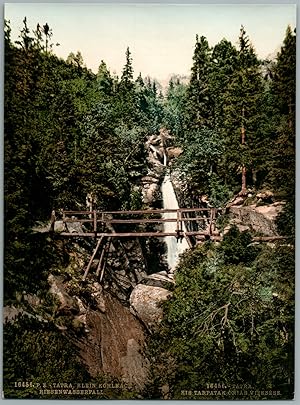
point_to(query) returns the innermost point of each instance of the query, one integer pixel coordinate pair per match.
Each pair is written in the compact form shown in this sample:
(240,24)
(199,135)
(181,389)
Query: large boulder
(145,303)
(257,218)
(161,279)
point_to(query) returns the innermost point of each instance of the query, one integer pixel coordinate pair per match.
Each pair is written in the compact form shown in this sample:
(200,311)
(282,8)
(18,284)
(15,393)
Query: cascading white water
(174,248)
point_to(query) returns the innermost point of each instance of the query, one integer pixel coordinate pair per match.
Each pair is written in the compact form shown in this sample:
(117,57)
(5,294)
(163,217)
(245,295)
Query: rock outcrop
(256,218)
(125,268)
(135,366)
(151,186)
(67,304)
(115,344)
(110,339)
(161,279)
(145,303)
(173,152)
(158,157)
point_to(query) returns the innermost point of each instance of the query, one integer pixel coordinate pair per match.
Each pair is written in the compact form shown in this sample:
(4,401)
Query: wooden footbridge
(116,224)
(103,226)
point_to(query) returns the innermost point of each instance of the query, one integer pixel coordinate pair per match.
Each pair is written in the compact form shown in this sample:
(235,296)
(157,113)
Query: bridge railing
(106,218)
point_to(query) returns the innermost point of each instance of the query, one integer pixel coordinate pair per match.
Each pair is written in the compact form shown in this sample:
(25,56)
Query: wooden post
(64,221)
(100,261)
(102,220)
(178,222)
(213,219)
(92,258)
(107,246)
(210,222)
(95,222)
(52,221)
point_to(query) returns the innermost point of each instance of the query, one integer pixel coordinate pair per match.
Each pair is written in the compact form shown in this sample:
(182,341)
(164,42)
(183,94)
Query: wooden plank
(95,220)
(76,212)
(158,211)
(100,261)
(92,258)
(79,220)
(146,221)
(211,222)
(188,241)
(178,222)
(52,221)
(132,221)
(128,234)
(161,235)
(104,265)
(148,211)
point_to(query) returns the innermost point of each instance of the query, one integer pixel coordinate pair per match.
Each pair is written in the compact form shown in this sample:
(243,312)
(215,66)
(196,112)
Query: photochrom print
(149,201)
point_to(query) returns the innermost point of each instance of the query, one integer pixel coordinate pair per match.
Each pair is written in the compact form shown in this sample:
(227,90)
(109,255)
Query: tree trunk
(290,124)
(243,132)
(254,177)
(244,184)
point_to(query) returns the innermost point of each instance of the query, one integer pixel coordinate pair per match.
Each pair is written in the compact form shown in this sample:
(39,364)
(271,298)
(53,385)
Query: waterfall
(165,159)
(174,248)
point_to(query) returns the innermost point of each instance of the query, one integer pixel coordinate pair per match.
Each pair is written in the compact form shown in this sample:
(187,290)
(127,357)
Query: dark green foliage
(202,150)
(229,323)
(127,75)
(174,107)
(232,92)
(286,221)
(69,132)
(198,113)
(27,263)
(149,103)
(35,351)
(105,81)
(237,247)
(219,193)
(283,90)
(224,60)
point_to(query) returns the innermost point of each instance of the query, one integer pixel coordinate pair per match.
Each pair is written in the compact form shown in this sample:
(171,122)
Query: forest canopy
(70,132)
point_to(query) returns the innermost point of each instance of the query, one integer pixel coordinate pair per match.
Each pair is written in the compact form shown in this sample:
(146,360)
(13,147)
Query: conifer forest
(92,314)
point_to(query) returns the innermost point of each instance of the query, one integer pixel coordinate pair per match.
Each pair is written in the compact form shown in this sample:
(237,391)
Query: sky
(161,37)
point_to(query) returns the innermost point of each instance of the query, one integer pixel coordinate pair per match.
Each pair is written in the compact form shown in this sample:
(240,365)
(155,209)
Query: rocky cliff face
(110,339)
(259,216)
(114,343)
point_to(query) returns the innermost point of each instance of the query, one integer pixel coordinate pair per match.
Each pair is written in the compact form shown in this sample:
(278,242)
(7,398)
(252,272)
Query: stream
(174,248)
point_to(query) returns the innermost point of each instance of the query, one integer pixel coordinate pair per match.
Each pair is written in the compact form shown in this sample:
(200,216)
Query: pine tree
(224,64)
(174,107)
(242,113)
(284,79)
(198,112)
(127,75)
(104,79)
(282,171)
